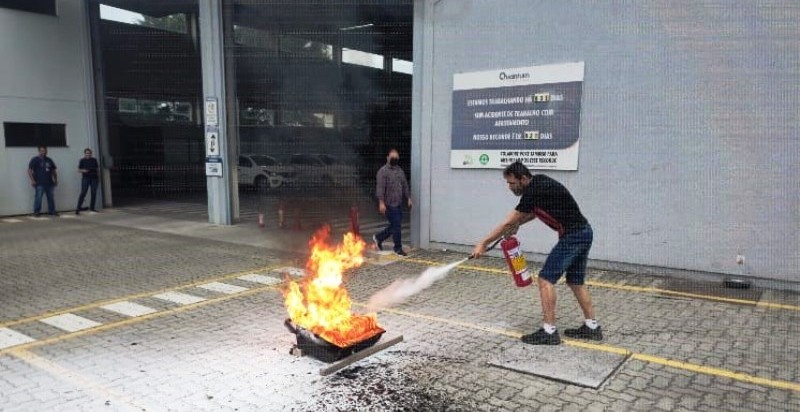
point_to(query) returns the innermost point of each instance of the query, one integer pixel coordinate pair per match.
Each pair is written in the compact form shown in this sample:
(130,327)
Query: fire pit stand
(357,356)
(308,343)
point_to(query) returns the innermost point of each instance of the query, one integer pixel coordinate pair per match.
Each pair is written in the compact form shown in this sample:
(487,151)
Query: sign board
(211,111)
(212,141)
(214,166)
(531,114)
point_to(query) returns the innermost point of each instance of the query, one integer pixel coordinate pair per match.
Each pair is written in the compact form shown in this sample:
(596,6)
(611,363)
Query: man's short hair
(517,169)
(41,147)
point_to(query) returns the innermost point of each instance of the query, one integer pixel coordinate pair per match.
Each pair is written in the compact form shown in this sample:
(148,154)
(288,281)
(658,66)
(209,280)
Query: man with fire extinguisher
(551,202)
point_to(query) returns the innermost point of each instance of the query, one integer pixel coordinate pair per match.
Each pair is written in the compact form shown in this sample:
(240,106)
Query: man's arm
(509,226)
(407,191)
(30,176)
(380,191)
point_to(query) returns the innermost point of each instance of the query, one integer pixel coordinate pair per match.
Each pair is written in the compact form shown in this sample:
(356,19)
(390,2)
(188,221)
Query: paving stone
(233,354)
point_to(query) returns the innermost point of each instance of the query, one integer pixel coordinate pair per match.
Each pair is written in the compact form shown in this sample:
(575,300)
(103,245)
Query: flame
(319,302)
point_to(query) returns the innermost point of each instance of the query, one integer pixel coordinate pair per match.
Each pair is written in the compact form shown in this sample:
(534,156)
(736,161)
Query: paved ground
(137,311)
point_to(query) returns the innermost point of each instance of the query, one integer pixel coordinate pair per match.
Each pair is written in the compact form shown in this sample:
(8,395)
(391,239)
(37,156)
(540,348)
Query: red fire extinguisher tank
(516,261)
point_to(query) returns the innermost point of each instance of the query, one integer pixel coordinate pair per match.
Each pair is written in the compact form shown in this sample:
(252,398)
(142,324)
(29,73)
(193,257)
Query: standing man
(392,189)
(87,167)
(551,202)
(43,177)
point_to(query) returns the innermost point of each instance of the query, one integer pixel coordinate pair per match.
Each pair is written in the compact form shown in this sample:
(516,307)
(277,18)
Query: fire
(319,302)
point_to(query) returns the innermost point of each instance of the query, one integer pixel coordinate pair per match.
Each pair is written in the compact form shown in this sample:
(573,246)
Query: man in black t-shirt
(552,203)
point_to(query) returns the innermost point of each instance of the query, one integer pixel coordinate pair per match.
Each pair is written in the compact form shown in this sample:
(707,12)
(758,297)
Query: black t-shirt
(90,165)
(551,202)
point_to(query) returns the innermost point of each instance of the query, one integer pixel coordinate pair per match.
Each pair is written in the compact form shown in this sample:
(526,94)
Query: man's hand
(479,250)
(33,184)
(382,208)
(410,204)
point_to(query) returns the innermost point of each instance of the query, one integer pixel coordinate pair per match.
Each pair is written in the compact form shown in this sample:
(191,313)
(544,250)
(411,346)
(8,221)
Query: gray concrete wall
(45,77)
(689,126)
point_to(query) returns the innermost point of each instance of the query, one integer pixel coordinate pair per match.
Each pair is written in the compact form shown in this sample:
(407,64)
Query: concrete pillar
(213,65)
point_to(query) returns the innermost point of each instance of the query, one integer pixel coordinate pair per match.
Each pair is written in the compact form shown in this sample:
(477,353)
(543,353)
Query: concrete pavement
(125,311)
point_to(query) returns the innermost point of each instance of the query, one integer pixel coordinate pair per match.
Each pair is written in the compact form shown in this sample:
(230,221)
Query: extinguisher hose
(488,248)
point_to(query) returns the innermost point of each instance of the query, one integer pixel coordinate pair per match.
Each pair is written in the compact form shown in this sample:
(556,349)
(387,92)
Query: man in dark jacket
(392,189)
(44,178)
(552,203)
(89,178)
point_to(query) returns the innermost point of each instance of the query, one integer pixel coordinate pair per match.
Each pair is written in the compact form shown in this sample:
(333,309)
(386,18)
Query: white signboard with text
(531,114)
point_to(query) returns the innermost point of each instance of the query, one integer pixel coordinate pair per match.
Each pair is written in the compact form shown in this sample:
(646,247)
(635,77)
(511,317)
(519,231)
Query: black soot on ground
(405,382)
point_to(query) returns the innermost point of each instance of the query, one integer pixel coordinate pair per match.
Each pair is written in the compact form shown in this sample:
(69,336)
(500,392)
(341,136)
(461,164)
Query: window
(35,134)
(362,58)
(402,66)
(34,6)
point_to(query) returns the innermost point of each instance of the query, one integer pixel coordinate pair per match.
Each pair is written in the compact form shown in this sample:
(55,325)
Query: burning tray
(317,347)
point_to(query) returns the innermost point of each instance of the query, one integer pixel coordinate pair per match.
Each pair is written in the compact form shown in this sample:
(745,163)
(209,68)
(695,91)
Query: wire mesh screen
(319,103)
(319,91)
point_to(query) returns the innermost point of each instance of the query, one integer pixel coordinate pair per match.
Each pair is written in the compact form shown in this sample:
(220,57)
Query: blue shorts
(569,255)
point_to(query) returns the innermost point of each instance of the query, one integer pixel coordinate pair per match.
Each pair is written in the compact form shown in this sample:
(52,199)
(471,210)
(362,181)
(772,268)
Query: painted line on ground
(70,322)
(629,288)
(134,320)
(134,296)
(701,369)
(129,308)
(179,298)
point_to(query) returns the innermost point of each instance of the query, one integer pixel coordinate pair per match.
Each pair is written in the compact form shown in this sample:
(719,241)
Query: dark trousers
(86,182)
(37,199)
(395,216)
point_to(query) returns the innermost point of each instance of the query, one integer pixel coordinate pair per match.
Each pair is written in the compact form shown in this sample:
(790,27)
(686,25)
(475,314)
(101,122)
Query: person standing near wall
(551,202)
(391,190)
(87,167)
(44,178)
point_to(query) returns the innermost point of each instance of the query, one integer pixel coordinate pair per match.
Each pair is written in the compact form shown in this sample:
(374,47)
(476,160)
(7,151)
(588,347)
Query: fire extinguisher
(354,219)
(516,261)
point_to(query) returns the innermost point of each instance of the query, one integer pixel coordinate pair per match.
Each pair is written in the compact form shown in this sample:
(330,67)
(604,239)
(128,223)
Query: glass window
(362,58)
(34,6)
(174,22)
(35,134)
(402,66)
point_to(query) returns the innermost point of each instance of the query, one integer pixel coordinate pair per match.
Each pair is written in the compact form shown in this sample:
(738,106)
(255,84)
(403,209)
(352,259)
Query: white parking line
(12,220)
(129,308)
(70,322)
(291,271)
(256,278)
(178,297)
(222,288)
(9,338)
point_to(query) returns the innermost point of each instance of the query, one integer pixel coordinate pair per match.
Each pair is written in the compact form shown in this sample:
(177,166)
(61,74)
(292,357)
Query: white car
(262,171)
(322,169)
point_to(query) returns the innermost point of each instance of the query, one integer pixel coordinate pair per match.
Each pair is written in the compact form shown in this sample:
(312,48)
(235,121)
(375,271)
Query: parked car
(262,171)
(322,170)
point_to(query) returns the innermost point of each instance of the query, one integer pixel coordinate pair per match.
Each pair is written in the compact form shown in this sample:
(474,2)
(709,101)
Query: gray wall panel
(688,130)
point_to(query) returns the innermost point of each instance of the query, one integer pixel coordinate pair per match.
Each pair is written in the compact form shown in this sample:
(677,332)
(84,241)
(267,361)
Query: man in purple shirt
(392,189)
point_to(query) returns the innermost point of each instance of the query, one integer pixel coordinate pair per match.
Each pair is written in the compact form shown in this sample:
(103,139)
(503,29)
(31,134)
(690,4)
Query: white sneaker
(378,245)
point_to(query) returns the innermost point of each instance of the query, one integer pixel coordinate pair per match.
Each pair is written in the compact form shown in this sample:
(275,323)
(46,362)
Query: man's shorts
(569,255)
